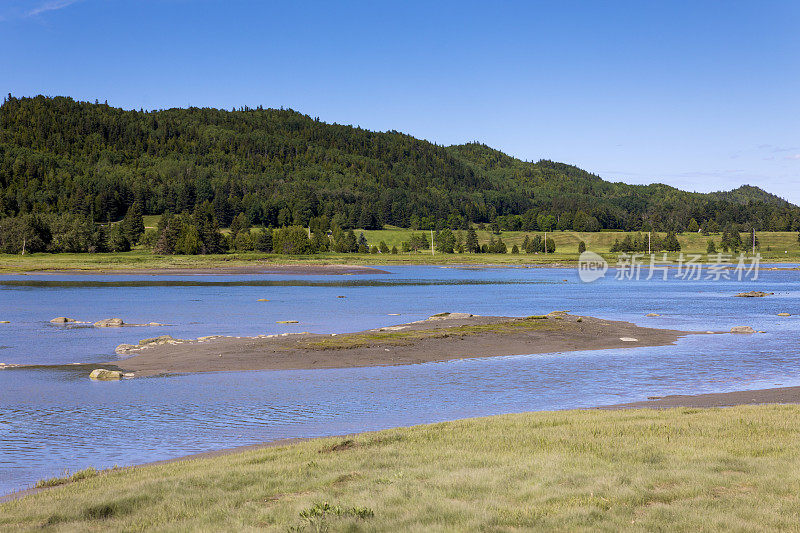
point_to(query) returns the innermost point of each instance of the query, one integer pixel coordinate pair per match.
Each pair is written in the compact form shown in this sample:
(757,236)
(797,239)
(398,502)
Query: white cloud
(52,5)
(793,156)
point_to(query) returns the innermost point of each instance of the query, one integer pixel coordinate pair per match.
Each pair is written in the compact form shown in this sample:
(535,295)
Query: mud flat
(783,395)
(439,338)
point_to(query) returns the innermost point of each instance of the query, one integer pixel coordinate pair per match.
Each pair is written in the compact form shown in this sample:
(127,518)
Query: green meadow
(731,469)
(774,247)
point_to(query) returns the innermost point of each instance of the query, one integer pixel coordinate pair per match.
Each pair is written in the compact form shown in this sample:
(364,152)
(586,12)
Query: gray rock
(123,349)
(62,320)
(742,329)
(109,323)
(450,316)
(163,339)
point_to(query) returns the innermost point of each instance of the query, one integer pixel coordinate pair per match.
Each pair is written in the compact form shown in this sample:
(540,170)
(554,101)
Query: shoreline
(445,337)
(717,400)
(293,269)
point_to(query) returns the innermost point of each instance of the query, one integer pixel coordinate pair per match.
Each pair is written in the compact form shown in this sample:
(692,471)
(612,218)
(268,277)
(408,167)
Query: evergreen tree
(471,242)
(133,224)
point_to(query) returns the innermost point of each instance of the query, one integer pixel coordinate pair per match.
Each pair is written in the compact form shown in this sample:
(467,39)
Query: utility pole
(648,243)
(433,250)
(545,243)
(754,241)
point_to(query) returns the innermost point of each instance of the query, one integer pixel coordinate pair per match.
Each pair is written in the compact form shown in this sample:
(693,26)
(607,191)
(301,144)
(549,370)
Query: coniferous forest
(68,169)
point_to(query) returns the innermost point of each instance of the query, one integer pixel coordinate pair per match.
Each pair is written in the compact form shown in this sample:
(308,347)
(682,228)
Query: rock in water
(109,323)
(652,315)
(102,373)
(123,349)
(449,316)
(5,322)
(754,294)
(163,339)
(784,314)
(742,329)
(286,322)
(62,320)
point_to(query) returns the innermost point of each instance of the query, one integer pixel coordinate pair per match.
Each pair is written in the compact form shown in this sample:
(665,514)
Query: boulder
(123,349)
(104,374)
(262,300)
(109,323)
(449,316)
(162,339)
(754,294)
(62,320)
(286,322)
(652,315)
(742,329)
(628,339)
(784,314)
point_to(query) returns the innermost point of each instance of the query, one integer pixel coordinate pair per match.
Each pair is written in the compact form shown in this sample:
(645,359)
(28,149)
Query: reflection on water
(54,420)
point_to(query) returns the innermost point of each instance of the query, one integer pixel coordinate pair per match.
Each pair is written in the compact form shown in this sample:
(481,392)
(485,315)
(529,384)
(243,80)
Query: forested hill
(281,167)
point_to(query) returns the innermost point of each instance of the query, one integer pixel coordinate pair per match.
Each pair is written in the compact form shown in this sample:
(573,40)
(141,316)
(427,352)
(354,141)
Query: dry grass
(675,470)
(405,337)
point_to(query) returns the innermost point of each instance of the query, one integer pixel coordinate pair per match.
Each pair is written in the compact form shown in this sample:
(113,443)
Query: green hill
(280,167)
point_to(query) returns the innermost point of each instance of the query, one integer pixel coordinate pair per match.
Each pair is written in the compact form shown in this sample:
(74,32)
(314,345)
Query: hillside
(281,167)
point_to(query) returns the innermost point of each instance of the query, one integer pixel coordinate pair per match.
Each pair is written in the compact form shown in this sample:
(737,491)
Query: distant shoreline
(243,264)
(293,269)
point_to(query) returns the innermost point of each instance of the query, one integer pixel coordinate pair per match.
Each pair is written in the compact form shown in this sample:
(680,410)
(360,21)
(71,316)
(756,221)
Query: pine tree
(472,246)
(133,223)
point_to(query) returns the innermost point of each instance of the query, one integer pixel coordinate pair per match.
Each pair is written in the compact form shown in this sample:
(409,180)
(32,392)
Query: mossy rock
(104,374)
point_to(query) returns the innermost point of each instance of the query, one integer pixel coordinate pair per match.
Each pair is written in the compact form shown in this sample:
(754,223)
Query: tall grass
(675,470)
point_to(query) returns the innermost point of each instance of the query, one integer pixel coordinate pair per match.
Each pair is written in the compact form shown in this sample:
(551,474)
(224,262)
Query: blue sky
(703,95)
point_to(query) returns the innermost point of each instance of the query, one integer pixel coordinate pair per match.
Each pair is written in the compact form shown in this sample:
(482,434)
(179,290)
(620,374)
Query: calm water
(53,420)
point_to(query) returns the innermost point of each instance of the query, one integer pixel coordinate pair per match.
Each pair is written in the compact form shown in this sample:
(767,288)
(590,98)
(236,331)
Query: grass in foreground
(674,470)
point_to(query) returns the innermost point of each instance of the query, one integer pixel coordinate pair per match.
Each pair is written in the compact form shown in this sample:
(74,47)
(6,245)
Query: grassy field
(644,470)
(567,241)
(775,247)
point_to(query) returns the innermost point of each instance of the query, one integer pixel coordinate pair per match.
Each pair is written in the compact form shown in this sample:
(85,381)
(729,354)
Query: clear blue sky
(703,95)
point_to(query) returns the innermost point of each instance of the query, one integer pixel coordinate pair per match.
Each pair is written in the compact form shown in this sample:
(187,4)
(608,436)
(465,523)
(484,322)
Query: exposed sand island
(255,267)
(439,338)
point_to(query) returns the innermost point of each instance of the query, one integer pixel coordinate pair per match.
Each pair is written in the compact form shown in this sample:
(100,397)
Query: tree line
(60,158)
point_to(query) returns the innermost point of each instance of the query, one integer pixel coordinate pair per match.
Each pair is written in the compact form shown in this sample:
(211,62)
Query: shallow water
(53,420)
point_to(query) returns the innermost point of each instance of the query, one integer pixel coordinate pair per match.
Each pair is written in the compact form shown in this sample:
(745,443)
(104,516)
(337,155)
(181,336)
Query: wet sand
(431,340)
(255,268)
(719,399)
